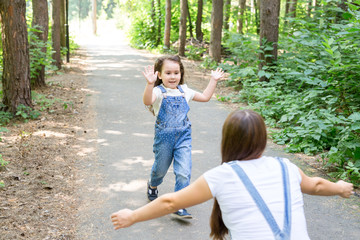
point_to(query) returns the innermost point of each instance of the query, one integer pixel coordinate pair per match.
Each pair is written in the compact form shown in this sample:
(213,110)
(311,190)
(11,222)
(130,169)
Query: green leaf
(355,117)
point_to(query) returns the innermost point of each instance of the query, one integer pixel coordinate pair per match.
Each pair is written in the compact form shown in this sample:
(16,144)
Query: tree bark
(293,7)
(216,29)
(199,33)
(41,20)
(56,33)
(309,7)
(227,11)
(62,24)
(159,23)
(189,16)
(94,7)
(269,30)
(240,26)
(167,24)
(16,63)
(257,11)
(182,29)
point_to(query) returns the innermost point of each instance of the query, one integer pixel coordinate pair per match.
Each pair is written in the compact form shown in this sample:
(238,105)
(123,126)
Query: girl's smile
(170,74)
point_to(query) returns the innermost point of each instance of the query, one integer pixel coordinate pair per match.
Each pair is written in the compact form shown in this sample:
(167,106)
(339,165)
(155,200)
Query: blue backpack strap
(278,234)
(181,90)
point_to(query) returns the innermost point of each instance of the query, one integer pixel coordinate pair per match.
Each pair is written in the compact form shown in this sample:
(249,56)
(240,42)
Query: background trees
(16,66)
(308,51)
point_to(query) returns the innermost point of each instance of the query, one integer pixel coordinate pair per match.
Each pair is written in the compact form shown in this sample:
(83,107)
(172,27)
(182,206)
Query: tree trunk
(182,29)
(287,7)
(344,7)
(216,29)
(227,11)
(40,19)
(309,7)
(293,6)
(242,5)
(167,24)
(257,11)
(189,16)
(93,17)
(62,24)
(16,63)
(199,33)
(159,23)
(56,33)
(269,30)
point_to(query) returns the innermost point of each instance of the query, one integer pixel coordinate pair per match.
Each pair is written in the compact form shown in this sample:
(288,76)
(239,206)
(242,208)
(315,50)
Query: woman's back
(239,211)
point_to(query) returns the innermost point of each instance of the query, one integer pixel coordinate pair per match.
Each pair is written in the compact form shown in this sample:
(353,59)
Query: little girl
(256,196)
(168,98)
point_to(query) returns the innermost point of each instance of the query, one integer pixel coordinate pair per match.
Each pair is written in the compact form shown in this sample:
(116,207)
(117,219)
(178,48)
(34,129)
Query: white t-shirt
(239,211)
(189,95)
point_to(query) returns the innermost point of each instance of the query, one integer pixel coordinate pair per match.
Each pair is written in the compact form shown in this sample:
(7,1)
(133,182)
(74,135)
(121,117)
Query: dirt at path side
(38,199)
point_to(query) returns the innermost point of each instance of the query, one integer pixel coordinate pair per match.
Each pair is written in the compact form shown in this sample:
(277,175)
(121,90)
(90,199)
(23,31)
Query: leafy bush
(312,95)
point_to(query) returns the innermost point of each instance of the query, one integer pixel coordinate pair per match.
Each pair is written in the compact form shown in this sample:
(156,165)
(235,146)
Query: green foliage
(312,95)
(3,163)
(26,112)
(38,58)
(194,52)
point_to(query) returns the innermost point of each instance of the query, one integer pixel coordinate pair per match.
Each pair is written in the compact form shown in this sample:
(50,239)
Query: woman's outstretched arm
(196,193)
(323,187)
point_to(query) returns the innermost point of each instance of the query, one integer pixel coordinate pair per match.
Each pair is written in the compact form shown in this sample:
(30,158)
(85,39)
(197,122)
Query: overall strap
(163,90)
(278,234)
(181,90)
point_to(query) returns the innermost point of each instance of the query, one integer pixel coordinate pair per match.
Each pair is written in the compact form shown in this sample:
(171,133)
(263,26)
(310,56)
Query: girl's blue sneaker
(182,214)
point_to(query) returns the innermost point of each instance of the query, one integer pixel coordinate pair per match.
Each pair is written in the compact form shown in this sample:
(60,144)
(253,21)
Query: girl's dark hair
(159,63)
(243,138)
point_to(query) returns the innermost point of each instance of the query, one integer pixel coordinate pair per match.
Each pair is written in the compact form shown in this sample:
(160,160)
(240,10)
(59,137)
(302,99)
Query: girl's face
(170,74)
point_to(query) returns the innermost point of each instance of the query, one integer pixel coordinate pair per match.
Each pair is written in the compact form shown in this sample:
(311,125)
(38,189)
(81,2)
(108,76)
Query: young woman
(256,197)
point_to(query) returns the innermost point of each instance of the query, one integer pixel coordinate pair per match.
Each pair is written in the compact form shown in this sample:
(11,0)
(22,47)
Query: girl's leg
(163,150)
(182,162)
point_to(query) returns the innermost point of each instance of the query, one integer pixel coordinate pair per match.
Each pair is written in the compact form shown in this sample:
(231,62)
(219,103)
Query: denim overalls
(172,141)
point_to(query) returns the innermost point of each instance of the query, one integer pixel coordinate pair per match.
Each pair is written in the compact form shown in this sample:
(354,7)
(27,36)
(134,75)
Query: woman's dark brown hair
(159,63)
(243,138)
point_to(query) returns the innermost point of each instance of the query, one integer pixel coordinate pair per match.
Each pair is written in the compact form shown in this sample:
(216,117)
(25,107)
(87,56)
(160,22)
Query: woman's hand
(347,189)
(217,74)
(122,219)
(149,74)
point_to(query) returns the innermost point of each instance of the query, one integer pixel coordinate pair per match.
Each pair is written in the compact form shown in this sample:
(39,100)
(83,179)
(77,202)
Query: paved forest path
(116,176)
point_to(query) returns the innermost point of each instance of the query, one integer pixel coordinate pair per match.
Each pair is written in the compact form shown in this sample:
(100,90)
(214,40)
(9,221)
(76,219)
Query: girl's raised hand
(122,219)
(217,74)
(150,75)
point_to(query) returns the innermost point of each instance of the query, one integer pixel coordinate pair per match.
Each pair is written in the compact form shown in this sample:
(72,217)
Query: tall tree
(240,26)
(167,24)
(159,23)
(216,30)
(16,64)
(292,8)
(93,17)
(199,33)
(309,7)
(257,10)
(269,31)
(62,24)
(227,11)
(41,21)
(55,33)
(190,22)
(182,28)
